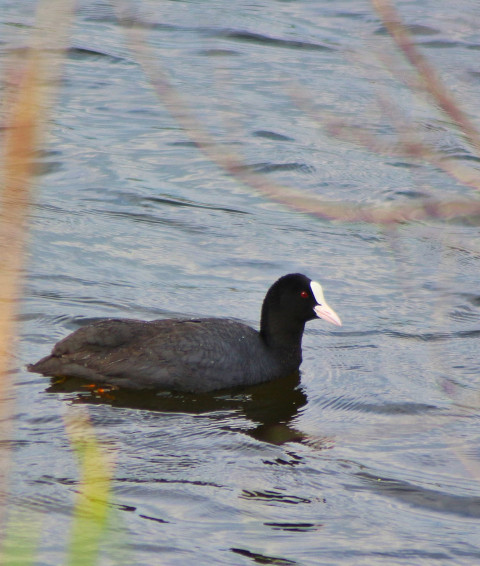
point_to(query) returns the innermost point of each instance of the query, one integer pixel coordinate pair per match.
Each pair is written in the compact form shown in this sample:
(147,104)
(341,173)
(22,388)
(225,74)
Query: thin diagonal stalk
(429,78)
(233,164)
(30,91)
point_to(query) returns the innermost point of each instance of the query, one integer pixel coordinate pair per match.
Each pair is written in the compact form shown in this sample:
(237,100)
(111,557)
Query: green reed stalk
(91,513)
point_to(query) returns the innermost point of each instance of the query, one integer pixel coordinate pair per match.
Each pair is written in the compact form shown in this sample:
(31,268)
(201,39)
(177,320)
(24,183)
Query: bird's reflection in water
(269,408)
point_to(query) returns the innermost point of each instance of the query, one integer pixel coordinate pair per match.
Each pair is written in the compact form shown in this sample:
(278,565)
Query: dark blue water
(371,457)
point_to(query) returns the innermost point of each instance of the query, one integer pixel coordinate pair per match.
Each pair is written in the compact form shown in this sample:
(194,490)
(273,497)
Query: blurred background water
(372,456)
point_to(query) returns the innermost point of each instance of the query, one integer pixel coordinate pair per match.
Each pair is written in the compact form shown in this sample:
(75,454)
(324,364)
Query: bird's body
(193,354)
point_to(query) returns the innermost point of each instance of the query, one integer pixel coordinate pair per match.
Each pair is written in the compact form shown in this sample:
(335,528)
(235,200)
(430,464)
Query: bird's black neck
(282,336)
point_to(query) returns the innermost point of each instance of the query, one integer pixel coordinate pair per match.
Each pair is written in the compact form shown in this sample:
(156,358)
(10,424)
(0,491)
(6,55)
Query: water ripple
(251,37)
(263,558)
(386,408)
(421,497)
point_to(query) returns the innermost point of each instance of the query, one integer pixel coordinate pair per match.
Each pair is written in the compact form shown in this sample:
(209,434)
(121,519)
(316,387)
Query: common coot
(194,355)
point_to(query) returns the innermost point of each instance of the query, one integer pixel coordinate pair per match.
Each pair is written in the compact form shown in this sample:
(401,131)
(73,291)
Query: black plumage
(196,354)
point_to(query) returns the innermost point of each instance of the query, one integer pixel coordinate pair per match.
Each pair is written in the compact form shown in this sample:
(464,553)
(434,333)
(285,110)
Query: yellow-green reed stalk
(30,85)
(21,538)
(91,512)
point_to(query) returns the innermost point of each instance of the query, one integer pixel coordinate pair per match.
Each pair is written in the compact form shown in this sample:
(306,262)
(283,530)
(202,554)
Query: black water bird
(196,355)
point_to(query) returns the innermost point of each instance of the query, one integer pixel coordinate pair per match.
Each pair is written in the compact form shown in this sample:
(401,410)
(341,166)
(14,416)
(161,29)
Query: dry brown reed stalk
(234,164)
(424,79)
(421,79)
(411,144)
(427,76)
(429,81)
(31,84)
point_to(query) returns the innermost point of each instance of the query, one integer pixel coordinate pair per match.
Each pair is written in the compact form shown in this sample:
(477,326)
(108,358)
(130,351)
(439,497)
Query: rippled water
(371,455)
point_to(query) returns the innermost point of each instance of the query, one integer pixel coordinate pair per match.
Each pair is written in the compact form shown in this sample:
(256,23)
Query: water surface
(370,456)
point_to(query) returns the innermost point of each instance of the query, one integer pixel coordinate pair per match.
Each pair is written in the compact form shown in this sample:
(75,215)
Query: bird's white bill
(322,310)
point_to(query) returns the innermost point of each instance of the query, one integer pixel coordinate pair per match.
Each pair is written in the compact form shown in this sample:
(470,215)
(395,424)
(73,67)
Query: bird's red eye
(304,295)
